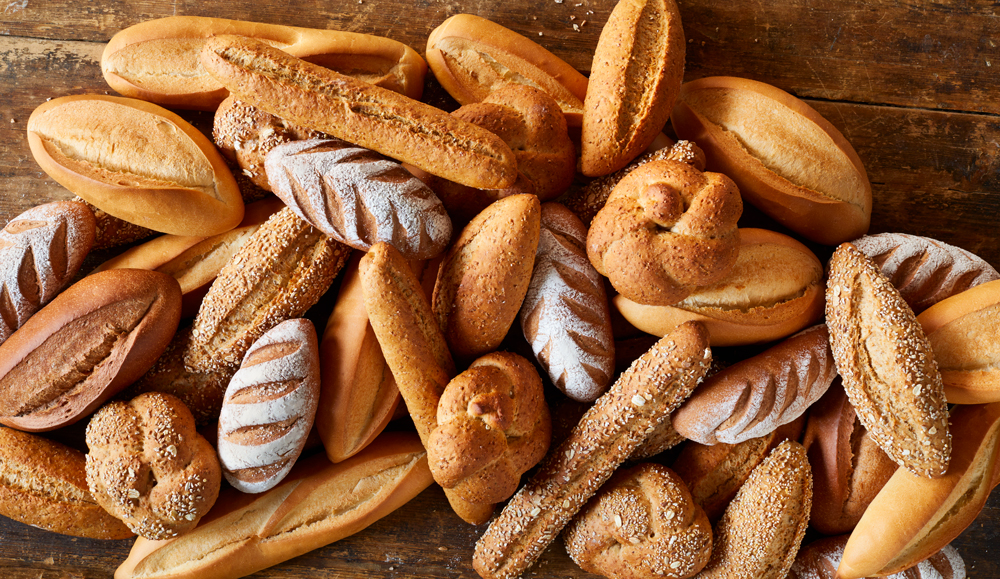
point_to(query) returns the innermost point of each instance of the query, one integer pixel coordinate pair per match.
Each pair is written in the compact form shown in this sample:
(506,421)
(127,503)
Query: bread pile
(430,234)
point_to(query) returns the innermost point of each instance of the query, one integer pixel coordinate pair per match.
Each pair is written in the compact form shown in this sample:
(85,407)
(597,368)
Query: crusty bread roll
(111,231)
(775,289)
(473,57)
(358,197)
(484,276)
(90,342)
(887,364)
(136,161)
(158,60)
(925,270)
(637,71)
(762,529)
(148,466)
(913,517)
(787,160)
(317,504)
(964,334)
(754,397)
(819,560)
(643,523)
(565,315)
(269,407)
(666,230)
(40,252)
(358,394)
(366,115)
(44,484)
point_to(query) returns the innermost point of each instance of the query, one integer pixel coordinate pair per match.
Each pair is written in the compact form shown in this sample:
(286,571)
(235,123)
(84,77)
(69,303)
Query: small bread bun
(965,335)
(787,160)
(774,290)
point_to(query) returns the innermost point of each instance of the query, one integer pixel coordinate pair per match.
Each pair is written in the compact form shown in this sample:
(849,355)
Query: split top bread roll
(136,161)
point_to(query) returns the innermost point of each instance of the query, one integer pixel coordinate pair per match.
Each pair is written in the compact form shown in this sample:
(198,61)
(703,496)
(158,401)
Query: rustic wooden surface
(912,85)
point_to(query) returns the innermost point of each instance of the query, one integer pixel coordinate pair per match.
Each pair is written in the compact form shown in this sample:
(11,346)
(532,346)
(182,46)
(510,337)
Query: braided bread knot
(666,229)
(493,425)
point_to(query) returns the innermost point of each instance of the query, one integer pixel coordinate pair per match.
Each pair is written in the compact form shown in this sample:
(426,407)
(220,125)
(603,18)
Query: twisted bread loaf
(666,229)
(492,426)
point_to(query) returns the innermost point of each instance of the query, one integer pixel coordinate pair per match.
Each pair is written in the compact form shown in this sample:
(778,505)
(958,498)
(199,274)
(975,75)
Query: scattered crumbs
(572,17)
(442,548)
(576,27)
(539,33)
(49,561)
(559,1)
(988,63)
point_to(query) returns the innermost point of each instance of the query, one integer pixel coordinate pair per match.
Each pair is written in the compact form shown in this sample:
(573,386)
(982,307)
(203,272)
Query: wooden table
(911,85)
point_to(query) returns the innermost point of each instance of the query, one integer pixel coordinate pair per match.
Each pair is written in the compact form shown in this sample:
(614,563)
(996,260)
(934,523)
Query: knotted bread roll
(666,229)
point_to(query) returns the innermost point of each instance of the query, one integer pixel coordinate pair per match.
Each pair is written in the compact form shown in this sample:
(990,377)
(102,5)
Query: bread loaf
(787,160)
(358,197)
(136,161)
(86,345)
(565,315)
(112,231)
(148,466)
(774,290)
(473,57)
(368,116)
(269,407)
(887,364)
(44,484)
(158,60)
(637,71)
(317,504)
(819,560)
(754,397)
(40,252)
(965,337)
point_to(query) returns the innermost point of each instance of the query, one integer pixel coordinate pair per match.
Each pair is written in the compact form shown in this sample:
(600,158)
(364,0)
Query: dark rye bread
(366,115)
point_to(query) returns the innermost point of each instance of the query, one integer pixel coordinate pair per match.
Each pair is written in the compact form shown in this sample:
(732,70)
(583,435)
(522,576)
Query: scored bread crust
(887,364)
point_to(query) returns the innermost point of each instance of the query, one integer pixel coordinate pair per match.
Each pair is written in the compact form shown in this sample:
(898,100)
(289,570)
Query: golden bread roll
(89,343)
(964,333)
(40,252)
(637,71)
(492,426)
(762,529)
(136,161)
(473,57)
(148,466)
(44,484)
(159,60)
(645,394)
(366,115)
(643,523)
(925,270)
(913,517)
(887,364)
(849,469)
(317,504)
(752,398)
(787,160)
(666,230)
(484,276)
(819,560)
(774,290)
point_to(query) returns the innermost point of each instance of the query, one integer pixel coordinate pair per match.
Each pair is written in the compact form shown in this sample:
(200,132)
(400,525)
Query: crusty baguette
(819,560)
(158,60)
(369,116)
(317,504)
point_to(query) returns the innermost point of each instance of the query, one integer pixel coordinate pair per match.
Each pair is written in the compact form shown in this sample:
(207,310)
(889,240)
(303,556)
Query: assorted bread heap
(443,232)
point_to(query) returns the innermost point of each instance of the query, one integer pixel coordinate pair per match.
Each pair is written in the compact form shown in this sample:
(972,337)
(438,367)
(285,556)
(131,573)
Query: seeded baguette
(369,116)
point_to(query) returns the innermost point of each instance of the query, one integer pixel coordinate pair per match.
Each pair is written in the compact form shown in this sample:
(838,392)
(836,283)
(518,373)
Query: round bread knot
(493,425)
(643,523)
(666,229)
(149,467)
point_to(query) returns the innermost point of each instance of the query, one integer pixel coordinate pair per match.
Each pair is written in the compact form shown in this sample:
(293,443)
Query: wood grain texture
(912,85)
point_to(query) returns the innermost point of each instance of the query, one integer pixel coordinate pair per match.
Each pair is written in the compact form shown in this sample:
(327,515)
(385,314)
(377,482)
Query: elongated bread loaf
(820,559)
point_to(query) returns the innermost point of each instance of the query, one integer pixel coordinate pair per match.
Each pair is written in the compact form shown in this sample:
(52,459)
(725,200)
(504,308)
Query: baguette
(819,560)
(158,60)
(317,504)
(369,116)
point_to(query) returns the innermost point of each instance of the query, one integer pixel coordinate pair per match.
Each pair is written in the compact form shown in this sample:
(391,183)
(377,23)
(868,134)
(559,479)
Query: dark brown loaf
(269,407)
(44,484)
(40,252)
(366,115)
(358,197)
(86,345)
